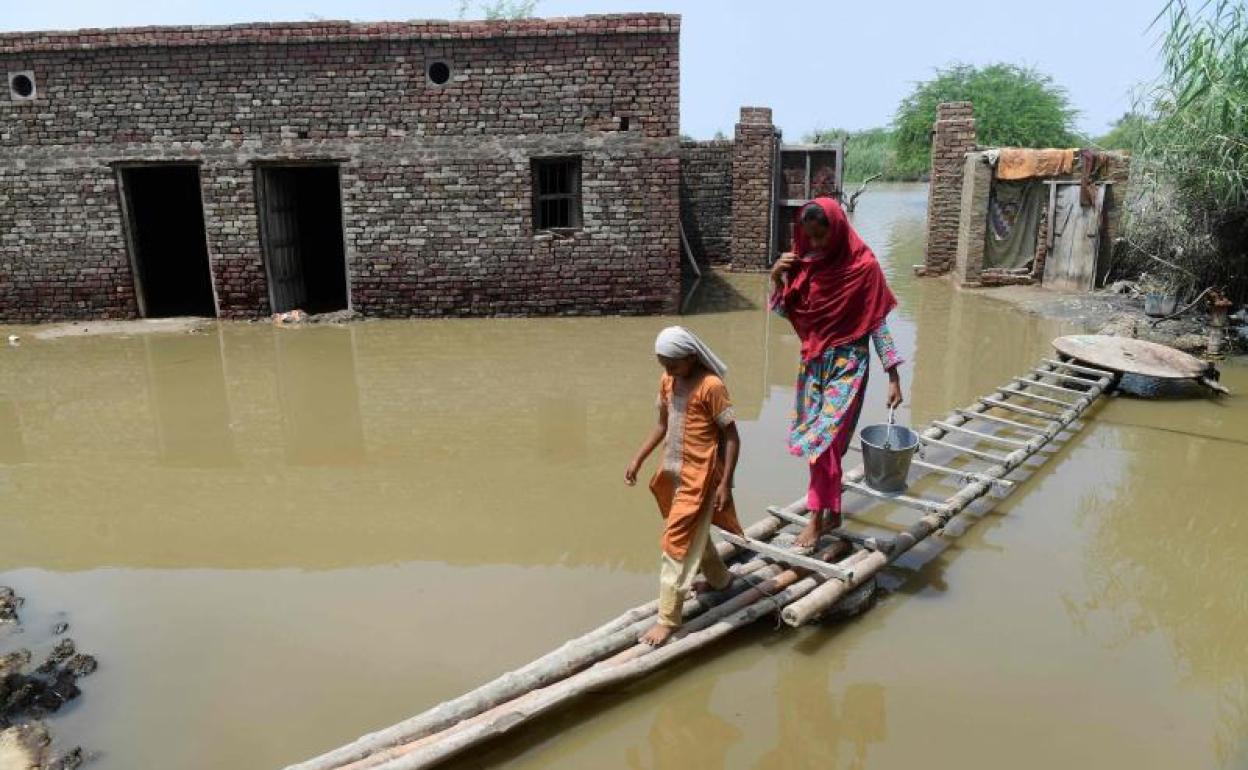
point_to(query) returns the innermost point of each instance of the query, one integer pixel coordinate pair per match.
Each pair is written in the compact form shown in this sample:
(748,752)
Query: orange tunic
(692,466)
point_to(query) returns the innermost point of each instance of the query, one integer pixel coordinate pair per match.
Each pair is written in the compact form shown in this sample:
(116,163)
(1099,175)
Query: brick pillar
(753,174)
(973,218)
(952,138)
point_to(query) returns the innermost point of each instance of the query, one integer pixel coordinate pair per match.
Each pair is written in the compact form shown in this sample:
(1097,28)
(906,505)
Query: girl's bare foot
(809,536)
(657,635)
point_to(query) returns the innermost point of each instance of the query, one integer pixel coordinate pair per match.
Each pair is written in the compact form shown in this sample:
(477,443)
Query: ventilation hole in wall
(624,123)
(21,85)
(439,73)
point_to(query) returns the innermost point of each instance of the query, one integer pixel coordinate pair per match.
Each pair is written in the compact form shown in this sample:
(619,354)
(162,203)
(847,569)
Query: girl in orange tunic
(693,486)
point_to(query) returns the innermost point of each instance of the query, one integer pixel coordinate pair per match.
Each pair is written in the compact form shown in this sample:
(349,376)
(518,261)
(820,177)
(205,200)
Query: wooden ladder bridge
(1033,409)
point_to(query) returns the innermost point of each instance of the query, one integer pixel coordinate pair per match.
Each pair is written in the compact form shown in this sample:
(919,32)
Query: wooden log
(1000,421)
(819,600)
(1010,442)
(989,456)
(614,635)
(637,661)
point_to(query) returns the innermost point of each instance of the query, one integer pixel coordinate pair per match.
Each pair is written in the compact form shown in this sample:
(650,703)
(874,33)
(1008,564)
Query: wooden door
(280,229)
(1074,237)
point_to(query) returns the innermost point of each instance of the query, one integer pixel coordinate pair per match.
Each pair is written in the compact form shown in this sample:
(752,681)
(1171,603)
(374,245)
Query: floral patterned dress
(828,388)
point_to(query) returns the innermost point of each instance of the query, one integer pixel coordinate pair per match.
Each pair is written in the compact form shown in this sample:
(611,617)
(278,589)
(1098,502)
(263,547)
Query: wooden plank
(981,436)
(1080,368)
(989,456)
(785,556)
(999,421)
(1008,391)
(926,506)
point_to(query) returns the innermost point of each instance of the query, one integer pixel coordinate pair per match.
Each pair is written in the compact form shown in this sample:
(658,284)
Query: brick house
(430,168)
(400,169)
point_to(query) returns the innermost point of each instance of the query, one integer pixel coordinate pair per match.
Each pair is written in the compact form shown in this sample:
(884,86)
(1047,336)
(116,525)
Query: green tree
(1014,107)
(869,152)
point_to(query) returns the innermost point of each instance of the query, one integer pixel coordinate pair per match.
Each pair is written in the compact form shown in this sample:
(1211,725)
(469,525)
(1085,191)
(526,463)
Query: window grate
(557,194)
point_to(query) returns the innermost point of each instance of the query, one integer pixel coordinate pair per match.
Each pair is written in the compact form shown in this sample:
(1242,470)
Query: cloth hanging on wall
(1014,212)
(1017,163)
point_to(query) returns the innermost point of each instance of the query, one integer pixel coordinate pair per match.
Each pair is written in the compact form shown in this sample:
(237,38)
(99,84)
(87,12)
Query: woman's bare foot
(657,635)
(809,536)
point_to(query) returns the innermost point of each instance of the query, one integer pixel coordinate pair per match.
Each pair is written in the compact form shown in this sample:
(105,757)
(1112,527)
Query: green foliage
(868,153)
(497,10)
(1126,134)
(1014,107)
(1191,164)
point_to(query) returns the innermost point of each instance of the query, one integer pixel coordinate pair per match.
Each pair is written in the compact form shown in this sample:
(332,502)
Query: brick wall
(753,175)
(436,180)
(706,199)
(953,136)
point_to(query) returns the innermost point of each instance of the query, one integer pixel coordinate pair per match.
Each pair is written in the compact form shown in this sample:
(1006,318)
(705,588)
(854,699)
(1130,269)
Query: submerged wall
(437,180)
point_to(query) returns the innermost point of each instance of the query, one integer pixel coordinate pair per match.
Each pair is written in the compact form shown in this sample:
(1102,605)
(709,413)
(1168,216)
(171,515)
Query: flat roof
(324,31)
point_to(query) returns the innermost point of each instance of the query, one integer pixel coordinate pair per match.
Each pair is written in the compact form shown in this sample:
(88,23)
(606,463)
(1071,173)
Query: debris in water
(14,340)
(60,628)
(28,696)
(290,318)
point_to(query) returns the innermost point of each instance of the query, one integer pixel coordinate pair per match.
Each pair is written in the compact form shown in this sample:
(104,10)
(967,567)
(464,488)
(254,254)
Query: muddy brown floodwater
(276,539)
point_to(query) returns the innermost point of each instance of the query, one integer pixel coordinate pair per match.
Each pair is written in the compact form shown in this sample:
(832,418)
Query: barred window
(556,193)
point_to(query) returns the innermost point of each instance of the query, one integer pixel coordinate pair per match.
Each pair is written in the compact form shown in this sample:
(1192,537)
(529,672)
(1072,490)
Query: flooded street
(276,539)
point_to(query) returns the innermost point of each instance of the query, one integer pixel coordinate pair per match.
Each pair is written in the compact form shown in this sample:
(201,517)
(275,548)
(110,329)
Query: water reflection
(190,408)
(12,449)
(686,734)
(819,719)
(320,401)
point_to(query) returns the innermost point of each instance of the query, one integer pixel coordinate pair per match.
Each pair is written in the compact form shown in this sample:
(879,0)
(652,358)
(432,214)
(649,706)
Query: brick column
(973,218)
(953,137)
(753,173)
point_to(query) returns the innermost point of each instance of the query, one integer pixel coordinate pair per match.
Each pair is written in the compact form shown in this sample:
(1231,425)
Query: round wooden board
(1122,354)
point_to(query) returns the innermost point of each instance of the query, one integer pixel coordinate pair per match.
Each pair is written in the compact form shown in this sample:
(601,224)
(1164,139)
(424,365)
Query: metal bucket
(1160,305)
(886,469)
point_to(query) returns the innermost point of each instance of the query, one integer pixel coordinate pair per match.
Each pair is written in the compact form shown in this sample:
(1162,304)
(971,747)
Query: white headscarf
(679,342)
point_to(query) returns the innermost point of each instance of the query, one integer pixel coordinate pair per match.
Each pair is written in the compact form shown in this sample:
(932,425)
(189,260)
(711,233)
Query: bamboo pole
(818,601)
(1001,421)
(1048,386)
(1039,414)
(613,635)
(1081,369)
(637,661)
(1010,442)
(989,456)
(918,503)
(1006,390)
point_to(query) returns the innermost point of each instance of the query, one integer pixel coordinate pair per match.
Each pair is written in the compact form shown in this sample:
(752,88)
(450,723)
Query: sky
(826,63)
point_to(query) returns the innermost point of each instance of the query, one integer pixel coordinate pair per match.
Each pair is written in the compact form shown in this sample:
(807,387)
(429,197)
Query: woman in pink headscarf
(832,290)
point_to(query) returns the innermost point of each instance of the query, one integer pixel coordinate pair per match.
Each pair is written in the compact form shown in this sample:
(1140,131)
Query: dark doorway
(301,227)
(165,220)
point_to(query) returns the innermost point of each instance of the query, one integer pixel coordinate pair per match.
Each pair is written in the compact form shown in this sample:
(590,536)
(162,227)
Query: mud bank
(30,692)
(1121,315)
